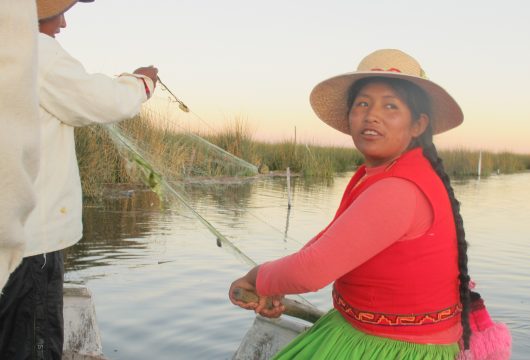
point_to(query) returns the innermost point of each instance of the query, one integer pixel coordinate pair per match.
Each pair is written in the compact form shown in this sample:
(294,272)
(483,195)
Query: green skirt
(332,337)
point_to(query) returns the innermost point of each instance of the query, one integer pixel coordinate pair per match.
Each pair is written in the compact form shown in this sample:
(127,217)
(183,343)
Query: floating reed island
(180,154)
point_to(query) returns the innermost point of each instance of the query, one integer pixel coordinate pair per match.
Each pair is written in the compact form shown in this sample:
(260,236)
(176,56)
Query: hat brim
(49,9)
(329,100)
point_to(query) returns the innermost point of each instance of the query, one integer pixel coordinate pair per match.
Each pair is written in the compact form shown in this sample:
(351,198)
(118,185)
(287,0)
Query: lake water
(160,281)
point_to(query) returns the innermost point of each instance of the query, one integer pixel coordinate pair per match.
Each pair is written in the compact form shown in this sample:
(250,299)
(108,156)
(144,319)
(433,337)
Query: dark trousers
(31,310)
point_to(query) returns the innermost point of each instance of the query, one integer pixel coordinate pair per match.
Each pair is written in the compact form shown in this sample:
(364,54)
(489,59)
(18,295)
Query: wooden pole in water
(294,142)
(288,174)
(479,164)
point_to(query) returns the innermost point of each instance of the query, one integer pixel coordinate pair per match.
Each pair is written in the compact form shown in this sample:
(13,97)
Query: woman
(395,250)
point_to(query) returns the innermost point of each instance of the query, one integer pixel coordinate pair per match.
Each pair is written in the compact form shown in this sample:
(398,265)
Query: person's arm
(19,134)
(78,98)
(383,214)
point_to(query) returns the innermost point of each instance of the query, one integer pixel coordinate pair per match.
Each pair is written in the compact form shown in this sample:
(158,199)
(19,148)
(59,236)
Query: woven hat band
(391,60)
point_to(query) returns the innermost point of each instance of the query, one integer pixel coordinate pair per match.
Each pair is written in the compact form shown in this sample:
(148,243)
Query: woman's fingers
(262,304)
(242,283)
(273,312)
(271,307)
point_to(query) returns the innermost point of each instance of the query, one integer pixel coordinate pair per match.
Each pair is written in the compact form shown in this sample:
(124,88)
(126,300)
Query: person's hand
(271,307)
(274,310)
(243,284)
(149,71)
(247,282)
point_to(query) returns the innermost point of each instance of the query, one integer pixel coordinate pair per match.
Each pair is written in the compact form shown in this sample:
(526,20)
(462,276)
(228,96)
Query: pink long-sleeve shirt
(391,210)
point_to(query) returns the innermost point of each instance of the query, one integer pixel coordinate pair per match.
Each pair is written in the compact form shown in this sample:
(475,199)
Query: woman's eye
(361,104)
(391,106)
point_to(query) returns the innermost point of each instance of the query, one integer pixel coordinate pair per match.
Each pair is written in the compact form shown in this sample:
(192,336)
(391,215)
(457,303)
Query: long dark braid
(429,151)
(418,103)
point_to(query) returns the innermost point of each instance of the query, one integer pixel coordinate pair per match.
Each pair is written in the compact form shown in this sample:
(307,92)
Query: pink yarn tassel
(493,343)
(489,340)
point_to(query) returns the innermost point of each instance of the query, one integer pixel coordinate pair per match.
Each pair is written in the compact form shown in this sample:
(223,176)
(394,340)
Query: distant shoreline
(181,157)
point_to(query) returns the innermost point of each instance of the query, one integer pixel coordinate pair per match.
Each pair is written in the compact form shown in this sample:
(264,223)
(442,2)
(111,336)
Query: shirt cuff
(146,81)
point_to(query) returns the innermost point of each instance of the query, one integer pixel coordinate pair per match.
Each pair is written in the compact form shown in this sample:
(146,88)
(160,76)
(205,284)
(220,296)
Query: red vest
(411,287)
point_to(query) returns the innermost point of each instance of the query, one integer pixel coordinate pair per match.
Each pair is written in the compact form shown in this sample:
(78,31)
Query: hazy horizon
(259,61)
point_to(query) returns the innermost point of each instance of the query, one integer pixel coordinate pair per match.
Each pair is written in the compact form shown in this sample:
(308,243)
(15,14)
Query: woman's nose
(372,114)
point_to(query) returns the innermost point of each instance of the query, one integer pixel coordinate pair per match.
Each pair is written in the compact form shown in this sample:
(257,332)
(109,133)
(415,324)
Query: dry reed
(180,155)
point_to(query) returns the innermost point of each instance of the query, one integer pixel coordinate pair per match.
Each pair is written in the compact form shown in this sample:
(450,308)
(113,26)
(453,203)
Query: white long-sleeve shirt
(70,97)
(19,130)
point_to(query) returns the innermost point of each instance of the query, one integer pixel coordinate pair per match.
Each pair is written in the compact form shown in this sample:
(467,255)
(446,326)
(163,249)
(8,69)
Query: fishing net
(183,168)
(180,153)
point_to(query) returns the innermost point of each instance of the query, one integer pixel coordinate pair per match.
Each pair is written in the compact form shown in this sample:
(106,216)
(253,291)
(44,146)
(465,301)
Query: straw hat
(49,8)
(329,98)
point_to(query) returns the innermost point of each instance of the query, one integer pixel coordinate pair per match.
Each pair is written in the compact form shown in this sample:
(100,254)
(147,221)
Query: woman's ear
(419,126)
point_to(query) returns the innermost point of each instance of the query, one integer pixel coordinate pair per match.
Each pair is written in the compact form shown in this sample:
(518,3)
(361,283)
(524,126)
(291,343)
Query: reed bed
(461,163)
(236,138)
(99,160)
(182,154)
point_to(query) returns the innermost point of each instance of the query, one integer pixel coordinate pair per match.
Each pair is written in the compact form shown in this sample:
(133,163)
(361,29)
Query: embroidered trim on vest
(373,318)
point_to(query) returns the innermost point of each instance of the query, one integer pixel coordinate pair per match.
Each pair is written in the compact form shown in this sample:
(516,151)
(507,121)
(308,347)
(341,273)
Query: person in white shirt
(31,322)
(19,135)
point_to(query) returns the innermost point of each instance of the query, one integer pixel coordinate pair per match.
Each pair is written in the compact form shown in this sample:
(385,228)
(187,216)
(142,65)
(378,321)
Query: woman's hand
(247,282)
(271,307)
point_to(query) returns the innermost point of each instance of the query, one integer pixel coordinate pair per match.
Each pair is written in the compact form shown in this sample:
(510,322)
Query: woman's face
(381,124)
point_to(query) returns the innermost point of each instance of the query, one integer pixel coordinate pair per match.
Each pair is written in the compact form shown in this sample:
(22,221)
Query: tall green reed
(177,152)
(463,162)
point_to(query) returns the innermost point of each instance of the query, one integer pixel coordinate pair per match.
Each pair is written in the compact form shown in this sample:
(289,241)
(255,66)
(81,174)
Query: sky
(259,60)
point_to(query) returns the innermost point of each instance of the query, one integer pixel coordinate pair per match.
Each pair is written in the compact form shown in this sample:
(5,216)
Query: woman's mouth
(370,132)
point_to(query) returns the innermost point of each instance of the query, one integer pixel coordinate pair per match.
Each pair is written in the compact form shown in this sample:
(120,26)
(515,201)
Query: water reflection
(157,274)
(118,223)
(287,224)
